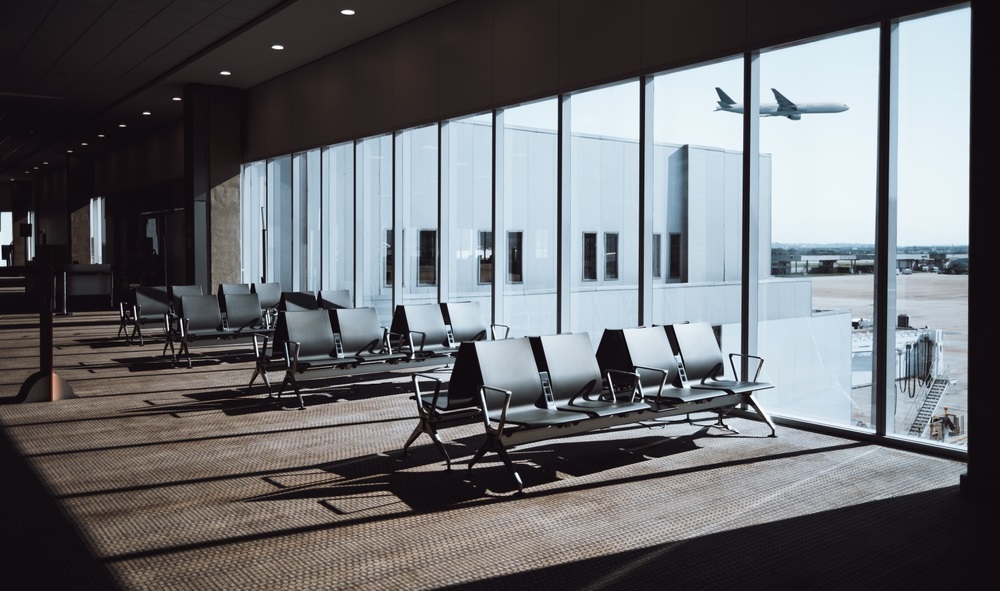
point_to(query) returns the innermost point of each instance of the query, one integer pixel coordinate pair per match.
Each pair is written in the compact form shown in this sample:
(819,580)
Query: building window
(427,258)
(675,256)
(485,257)
(389,241)
(590,256)
(657,263)
(610,255)
(514,244)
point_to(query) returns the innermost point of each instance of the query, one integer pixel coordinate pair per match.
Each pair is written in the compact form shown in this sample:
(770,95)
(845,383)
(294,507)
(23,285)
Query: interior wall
(476,55)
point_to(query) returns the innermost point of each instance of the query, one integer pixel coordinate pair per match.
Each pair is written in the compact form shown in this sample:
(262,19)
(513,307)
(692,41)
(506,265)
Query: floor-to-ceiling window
(603,197)
(416,166)
(374,224)
(467,188)
(818,139)
(253,219)
(307,221)
(98,235)
(697,197)
(337,244)
(280,223)
(929,399)
(526,246)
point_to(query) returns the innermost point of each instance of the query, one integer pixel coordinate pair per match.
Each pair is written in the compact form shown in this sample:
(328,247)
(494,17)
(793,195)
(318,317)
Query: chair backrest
(269,294)
(297,301)
(425,318)
(626,348)
(312,330)
(201,312)
(465,320)
(179,291)
(508,364)
(570,362)
(153,301)
(243,311)
(699,350)
(359,329)
(228,289)
(333,299)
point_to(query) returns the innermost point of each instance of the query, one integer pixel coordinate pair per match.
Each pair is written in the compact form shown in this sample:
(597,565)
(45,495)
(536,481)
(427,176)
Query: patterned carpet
(159,477)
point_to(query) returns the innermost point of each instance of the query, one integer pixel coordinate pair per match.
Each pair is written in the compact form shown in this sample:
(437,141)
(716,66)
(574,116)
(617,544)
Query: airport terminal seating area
(464,371)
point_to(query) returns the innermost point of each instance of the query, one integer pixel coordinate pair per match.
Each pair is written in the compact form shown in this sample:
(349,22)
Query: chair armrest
(663,381)
(636,392)
(421,406)
(758,359)
(423,337)
(486,409)
(389,337)
(494,328)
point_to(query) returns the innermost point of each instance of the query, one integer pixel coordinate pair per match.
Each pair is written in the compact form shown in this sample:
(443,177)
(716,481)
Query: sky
(824,165)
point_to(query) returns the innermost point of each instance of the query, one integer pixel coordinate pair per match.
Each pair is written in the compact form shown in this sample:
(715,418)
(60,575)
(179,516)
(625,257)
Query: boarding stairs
(923,417)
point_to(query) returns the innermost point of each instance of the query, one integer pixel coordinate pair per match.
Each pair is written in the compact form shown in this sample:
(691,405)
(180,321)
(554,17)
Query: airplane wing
(783,103)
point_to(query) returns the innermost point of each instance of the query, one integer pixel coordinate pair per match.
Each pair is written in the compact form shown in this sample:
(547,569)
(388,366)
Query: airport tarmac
(931,300)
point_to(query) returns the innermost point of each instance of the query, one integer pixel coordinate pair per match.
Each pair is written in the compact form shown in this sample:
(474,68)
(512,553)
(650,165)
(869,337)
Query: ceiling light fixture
(100,135)
(225,73)
(83,143)
(277,47)
(176,98)
(347,12)
(146,113)
(122,125)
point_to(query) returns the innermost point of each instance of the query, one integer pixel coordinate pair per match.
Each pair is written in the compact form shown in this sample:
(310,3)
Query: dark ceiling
(74,70)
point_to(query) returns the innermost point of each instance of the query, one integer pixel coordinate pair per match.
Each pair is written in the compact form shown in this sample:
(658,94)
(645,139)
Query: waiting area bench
(321,339)
(202,320)
(531,389)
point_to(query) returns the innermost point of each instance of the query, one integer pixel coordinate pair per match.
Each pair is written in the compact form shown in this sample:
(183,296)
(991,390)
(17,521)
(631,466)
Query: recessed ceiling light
(69,151)
(277,47)
(225,73)
(35,168)
(83,143)
(100,135)
(122,125)
(176,98)
(45,162)
(146,113)
(347,12)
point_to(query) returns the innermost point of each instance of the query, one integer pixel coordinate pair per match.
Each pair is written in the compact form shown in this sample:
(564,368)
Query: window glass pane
(697,199)
(306,190)
(821,204)
(417,183)
(253,211)
(280,223)
(468,188)
(514,257)
(610,255)
(374,198)
(530,175)
(427,258)
(7,238)
(485,255)
(589,256)
(603,196)
(932,232)
(657,255)
(338,217)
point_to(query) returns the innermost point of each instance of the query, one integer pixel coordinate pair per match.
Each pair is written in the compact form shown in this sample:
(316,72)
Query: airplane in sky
(783,108)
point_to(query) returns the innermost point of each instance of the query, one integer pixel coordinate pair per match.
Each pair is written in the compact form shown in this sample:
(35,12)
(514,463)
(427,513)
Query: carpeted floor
(160,477)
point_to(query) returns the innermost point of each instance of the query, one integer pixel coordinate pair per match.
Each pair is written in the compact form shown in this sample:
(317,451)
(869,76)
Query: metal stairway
(923,418)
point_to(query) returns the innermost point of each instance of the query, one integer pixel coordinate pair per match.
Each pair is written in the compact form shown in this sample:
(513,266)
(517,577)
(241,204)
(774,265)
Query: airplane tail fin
(724,101)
